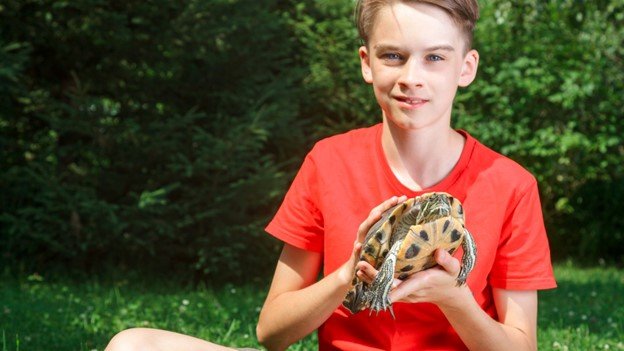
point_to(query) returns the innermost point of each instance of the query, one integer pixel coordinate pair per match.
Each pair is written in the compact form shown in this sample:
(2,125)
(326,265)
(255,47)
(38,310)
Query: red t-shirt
(346,175)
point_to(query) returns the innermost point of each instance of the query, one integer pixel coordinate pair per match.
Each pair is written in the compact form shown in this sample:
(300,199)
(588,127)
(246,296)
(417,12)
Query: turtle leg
(469,257)
(355,300)
(377,295)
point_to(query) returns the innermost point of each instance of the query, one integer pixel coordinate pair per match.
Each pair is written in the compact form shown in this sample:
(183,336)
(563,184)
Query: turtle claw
(460,281)
(378,296)
(381,304)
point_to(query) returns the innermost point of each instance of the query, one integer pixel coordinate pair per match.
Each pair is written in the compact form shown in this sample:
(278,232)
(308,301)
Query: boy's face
(415,61)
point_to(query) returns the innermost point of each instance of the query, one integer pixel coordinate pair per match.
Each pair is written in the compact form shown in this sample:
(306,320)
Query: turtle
(403,242)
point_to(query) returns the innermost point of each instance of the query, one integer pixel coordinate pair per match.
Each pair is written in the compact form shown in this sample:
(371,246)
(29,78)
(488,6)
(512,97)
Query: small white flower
(185,302)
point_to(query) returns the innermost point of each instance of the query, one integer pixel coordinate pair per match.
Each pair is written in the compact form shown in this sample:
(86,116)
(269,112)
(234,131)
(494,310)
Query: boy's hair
(463,12)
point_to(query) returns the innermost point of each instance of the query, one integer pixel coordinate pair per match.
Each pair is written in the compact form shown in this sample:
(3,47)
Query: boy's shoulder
(351,141)
(498,166)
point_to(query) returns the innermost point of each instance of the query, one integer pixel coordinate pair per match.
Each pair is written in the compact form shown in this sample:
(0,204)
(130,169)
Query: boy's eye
(434,57)
(392,56)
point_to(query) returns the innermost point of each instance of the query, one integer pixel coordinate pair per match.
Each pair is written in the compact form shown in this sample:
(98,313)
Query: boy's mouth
(410,102)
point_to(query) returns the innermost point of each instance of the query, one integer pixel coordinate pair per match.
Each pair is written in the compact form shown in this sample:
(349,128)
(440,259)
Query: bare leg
(145,339)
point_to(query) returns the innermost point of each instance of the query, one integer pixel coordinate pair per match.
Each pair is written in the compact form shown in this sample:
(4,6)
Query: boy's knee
(133,339)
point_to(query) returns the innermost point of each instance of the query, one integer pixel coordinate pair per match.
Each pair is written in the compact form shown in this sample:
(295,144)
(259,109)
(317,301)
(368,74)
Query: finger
(447,262)
(365,272)
(404,288)
(357,248)
(355,254)
(376,214)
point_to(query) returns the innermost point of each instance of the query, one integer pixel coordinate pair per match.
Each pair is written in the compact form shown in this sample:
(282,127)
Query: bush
(548,96)
(145,133)
(164,134)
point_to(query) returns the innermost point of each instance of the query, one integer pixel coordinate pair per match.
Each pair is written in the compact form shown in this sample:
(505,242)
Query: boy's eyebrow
(385,47)
(441,47)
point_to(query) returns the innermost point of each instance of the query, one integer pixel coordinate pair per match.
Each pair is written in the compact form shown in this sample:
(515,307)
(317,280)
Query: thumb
(447,262)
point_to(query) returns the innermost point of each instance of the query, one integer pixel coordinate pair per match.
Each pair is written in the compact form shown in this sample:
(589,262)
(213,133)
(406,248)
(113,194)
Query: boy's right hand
(348,269)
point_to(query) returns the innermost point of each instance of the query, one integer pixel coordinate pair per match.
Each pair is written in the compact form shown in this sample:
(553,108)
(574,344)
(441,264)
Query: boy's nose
(411,76)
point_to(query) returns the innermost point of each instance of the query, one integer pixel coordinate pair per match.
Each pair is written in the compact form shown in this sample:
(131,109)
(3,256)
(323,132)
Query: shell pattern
(403,242)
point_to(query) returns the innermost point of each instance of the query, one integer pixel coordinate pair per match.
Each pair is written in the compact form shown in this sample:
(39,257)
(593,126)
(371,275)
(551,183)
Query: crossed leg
(136,339)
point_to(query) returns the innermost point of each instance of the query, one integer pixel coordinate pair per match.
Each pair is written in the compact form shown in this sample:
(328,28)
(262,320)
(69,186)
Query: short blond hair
(463,12)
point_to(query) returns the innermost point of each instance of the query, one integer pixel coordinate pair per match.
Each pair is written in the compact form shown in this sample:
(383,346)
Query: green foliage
(337,99)
(163,134)
(149,133)
(548,95)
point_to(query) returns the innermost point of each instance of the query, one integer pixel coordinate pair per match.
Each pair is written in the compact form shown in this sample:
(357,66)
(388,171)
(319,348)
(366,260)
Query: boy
(415,55)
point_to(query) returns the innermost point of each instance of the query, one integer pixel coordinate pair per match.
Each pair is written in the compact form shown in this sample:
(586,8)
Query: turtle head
(434,206)
(355,300)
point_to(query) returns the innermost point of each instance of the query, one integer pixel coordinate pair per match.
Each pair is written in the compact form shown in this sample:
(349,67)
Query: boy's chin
(407,121)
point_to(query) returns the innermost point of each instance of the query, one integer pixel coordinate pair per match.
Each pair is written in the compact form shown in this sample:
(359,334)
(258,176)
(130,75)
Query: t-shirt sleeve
(298,221)
(523,256)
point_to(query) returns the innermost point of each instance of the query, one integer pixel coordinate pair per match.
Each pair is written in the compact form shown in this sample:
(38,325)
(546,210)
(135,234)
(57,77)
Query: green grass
(586,312)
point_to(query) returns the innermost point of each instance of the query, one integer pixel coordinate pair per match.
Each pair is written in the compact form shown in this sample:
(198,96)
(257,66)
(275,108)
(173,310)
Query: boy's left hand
(436,285)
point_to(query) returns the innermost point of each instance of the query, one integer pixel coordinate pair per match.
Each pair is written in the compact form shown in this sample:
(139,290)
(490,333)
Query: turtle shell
(418,227)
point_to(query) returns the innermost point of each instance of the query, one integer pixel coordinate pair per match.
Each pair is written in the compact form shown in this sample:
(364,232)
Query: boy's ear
(365,63)
(469,68)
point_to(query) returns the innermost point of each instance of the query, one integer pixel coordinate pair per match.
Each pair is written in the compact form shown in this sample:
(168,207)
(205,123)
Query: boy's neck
(421,158)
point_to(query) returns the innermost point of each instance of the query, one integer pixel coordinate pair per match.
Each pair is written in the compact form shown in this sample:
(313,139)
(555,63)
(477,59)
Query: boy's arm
(297,304)
(517,310)
(517,327)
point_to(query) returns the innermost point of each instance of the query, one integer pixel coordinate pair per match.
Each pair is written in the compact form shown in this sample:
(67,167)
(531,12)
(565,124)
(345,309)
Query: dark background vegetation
(160,136)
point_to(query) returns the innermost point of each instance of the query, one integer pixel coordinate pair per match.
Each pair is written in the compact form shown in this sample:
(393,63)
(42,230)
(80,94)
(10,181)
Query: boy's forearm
(479,331)
(293,315)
